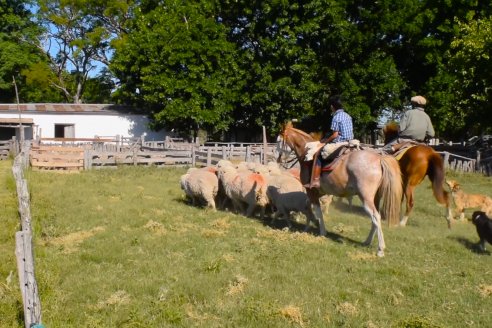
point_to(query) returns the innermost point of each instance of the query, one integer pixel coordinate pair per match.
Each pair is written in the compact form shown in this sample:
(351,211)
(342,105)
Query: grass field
(121,248)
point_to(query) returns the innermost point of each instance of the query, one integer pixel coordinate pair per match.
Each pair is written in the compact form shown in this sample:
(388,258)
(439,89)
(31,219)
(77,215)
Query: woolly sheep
(244,187)
(200,185)
(287,194)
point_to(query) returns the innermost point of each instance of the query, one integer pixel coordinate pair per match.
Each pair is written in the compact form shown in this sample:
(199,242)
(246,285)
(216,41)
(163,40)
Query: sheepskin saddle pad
(329,148)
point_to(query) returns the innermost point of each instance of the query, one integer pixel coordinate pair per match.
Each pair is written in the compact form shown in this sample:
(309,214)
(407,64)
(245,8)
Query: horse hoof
(380,253)
(366,243)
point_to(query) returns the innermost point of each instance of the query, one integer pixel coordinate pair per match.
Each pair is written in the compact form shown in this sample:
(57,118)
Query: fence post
(209,157)
(27,281)
(446,159)
(135,159)
(193,155)
(224,152)
(87,159)
(23,250)
(248,154)
(479,157)
(264,158)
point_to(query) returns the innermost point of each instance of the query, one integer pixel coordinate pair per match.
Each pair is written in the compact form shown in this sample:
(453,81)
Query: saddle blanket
(327,149)
(399,153)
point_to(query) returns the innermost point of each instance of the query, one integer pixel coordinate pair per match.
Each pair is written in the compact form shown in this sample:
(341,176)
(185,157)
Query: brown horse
(373,177)
(417,162)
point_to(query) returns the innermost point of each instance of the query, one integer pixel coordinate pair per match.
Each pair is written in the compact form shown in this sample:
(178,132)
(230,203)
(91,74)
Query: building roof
(66,108)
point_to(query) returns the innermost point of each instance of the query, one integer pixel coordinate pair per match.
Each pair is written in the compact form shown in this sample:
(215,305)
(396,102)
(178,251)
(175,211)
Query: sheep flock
(250,189)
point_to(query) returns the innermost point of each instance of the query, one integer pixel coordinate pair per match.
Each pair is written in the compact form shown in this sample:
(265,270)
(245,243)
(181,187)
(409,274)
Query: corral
(122,248)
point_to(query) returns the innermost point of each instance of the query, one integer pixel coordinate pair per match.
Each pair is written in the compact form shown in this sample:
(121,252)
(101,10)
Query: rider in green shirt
(414,125)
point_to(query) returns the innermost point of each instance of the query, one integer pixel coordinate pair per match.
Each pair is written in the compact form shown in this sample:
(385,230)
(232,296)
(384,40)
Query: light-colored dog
(464,201)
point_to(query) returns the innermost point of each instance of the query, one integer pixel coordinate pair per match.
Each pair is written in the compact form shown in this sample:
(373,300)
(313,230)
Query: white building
(74,121)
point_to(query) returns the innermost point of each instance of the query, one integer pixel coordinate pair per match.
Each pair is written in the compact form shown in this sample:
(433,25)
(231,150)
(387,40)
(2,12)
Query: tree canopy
(220,64)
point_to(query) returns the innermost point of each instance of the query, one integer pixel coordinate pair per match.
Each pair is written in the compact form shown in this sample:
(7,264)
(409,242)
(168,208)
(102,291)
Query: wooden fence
(57,158)
(5,149)
(61,154)
(211,155)
(109,152)
(459,163)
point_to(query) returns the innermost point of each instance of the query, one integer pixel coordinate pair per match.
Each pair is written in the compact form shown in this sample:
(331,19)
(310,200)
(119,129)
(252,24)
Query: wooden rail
(57,158)
(102,152)
(459,163)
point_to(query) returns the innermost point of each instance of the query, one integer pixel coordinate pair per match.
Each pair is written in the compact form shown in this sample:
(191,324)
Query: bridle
(286,151)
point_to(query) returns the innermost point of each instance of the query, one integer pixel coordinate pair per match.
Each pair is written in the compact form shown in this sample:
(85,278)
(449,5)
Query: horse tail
(390,190)
(435,172)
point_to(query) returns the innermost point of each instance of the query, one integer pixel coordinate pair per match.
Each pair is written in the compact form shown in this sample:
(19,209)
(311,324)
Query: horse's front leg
(314,196)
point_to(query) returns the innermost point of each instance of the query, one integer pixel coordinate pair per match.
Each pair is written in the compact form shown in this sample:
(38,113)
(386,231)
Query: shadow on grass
(470,245)
(280,224)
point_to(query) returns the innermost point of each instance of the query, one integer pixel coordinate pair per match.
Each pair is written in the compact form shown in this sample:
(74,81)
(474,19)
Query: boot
(315,176)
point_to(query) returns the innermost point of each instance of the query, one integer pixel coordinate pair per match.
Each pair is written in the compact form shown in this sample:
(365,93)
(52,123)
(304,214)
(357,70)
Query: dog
(464,201)
(484,228)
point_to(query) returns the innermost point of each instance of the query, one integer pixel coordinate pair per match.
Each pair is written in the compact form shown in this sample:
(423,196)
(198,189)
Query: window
(64,130)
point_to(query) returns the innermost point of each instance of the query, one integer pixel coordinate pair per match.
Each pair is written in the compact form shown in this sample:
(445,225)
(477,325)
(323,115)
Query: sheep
(244,187)
(200,185)
(287,194)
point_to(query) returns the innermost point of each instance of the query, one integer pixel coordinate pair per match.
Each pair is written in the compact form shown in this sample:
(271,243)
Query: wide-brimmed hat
(418,100)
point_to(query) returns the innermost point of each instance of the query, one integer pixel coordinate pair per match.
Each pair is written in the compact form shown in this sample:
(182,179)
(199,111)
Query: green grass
(121,248)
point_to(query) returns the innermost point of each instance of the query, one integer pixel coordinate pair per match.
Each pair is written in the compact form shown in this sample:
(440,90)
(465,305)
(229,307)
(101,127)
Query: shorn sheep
(244,187)
(200,185)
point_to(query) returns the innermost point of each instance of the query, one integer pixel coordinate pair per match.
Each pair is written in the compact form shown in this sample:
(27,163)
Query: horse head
(390,131)
(292,139)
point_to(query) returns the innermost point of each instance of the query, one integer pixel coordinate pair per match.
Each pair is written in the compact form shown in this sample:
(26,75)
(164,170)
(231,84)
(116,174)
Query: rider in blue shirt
(341,130)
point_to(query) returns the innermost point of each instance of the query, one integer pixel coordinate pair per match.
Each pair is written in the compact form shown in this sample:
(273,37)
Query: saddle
(403,146)
(330,153)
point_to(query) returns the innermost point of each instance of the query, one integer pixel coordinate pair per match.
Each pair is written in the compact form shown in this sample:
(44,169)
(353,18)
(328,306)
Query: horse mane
(289,125)
(390,131)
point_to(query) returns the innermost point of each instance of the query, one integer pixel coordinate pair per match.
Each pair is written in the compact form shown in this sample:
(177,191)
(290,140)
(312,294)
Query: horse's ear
(392,126)
(316,135)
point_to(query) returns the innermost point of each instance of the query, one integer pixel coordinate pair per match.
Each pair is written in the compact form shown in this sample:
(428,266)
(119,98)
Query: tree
(18,52)
(467,75)
(78,35)
(299,54)
(176,64)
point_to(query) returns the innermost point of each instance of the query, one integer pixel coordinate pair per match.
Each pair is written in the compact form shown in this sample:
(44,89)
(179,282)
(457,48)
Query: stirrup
(316,183)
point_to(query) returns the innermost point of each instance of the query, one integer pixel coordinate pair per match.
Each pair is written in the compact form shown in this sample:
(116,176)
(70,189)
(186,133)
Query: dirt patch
(293,314)
(237,286)
(485,290)
(341,228)
(222,224)
(229,258)
(71,241)
(118,298)
(192,314)
(281,235)
(347,309)
(156,227)
(361,256)
(182,227)
(209,233)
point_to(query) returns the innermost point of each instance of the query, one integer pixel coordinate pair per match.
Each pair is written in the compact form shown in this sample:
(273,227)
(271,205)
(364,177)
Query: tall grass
(121,248)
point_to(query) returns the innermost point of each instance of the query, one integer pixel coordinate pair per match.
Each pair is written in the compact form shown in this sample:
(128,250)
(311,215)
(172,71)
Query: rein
(299,157)
(286,163)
